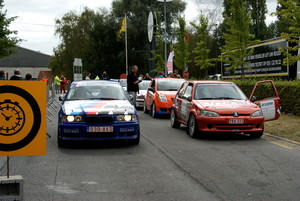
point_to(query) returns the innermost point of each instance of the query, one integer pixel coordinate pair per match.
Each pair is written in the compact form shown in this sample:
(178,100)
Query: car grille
(99,119)
(235,126)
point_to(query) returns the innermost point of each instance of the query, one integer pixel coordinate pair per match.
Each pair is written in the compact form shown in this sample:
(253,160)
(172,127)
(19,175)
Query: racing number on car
(20,120)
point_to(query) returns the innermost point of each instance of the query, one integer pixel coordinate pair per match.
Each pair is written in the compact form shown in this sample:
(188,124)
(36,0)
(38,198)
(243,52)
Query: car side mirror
(189,98)
(150,89)
(61,97)
(253,99)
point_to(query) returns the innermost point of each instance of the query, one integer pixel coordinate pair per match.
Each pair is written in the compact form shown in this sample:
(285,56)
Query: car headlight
(162,98)
(207,113)
(257,113)
(71,118)
(126,117)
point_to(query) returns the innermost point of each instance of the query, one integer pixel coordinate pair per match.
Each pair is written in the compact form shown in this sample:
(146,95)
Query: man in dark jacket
(104,76)
(133,83)
(17,75)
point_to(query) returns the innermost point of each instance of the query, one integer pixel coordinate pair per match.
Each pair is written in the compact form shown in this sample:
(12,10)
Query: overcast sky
(35,22)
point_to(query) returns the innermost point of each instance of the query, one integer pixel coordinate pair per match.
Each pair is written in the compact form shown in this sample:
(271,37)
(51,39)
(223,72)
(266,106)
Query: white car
(143,86)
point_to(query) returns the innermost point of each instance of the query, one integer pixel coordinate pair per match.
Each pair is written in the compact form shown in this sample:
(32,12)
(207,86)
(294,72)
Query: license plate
(236,121)
(99,129)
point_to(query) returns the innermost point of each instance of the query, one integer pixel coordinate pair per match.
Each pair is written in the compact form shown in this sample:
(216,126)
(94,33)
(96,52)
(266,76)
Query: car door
(266,96)
(178,99)
(150,94)
(186,105)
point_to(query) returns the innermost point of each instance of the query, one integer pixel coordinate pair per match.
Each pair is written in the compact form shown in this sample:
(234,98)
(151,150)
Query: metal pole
(165,19)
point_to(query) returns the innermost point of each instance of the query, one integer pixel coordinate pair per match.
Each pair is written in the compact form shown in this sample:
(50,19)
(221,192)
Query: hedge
(289,93)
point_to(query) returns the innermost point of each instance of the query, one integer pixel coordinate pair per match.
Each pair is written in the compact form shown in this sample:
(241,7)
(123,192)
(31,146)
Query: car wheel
(256,134)
(174,120)
(153,111)
(135,141)
(192,127)
(146,111)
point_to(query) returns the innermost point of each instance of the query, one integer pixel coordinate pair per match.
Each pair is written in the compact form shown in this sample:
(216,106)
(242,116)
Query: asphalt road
(166,165)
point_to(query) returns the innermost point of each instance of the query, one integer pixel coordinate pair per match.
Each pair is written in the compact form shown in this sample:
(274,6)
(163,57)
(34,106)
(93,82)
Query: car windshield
(97,91)
(144,85)
(169,84)
(123,82)
(221,91)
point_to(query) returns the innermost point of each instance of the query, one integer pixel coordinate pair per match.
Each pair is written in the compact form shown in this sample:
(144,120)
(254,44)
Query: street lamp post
(165,34)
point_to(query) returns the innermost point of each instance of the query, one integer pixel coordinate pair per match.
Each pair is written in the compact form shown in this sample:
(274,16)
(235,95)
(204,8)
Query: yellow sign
(22,118)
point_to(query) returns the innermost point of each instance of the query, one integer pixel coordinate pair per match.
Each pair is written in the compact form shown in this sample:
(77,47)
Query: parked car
(97,110)
(140,98)
(123,83)
(160,95)
(222,107)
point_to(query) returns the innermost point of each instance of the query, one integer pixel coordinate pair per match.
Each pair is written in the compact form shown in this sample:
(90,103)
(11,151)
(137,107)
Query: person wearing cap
(57,83)
(45,79)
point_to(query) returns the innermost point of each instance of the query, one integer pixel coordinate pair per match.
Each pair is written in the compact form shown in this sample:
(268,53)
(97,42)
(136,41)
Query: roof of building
(25,58)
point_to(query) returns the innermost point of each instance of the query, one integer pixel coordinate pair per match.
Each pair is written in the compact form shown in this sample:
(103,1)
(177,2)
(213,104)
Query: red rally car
(222,107)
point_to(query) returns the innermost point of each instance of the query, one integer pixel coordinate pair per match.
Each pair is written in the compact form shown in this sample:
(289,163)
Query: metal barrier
(51,101)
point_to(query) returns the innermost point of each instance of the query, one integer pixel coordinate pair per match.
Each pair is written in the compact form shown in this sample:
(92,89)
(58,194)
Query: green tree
(137,18)
(73,30)
(291,15)
(202,59)
(258,10)
(7,42)
(238,38)
(181,53)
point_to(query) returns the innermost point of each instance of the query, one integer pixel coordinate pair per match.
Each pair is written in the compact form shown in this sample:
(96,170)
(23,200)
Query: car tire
(146,111)
(153,111)
(192,127)
(174,120)
(135,141)
(256,134)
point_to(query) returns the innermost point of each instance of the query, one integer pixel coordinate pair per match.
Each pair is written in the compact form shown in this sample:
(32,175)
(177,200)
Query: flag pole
(126,52)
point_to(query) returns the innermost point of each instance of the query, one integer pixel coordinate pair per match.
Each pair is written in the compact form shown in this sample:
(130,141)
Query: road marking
(282,145)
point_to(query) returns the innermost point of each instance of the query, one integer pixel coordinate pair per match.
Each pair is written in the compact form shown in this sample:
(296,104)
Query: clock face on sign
(12,117)
(20,118)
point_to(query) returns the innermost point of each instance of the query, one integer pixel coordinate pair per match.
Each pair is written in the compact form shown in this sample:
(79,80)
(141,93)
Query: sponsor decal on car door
(270,105)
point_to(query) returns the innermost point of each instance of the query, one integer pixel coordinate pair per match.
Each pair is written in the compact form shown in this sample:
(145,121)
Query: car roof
(209,81)
(95,81)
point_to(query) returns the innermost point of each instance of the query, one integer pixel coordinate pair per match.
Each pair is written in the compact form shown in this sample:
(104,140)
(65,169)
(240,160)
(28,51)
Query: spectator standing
(63,83)
(88,77)
(133,83)
(45,79)
(147,77)
(28,76)
(57,83)
(17,75)
(160,75)
(104,76)
(2,75)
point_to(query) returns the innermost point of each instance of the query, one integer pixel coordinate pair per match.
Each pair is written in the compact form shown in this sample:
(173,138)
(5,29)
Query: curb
(283,139)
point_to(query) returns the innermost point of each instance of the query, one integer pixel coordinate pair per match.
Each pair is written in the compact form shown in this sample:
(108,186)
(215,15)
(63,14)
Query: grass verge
(287,126)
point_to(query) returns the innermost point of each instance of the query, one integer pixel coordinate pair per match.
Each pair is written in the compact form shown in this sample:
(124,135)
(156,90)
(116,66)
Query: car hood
(92,107)
(227,105)
(171,93)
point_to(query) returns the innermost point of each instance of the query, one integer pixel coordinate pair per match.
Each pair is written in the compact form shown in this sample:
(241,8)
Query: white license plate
(99,129)
(236,121)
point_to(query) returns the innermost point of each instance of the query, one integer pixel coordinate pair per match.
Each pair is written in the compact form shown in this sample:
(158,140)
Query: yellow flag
(123,27)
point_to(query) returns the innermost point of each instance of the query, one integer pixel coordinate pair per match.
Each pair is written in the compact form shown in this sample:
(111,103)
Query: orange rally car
(160,95)
(222,107)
